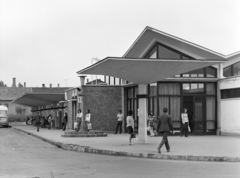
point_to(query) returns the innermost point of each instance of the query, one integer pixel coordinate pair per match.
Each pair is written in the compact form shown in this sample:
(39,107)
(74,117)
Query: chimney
(14,82)
(58,85)
(24,84)
(50,85)
(82,80)
(43,85)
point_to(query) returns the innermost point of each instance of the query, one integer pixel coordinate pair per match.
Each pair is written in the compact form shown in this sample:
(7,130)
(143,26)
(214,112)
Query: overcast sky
(48,41)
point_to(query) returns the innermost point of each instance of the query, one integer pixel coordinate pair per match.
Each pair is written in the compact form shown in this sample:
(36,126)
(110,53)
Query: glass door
(198,122)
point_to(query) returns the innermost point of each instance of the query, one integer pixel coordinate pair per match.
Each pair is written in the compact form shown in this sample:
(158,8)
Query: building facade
(198,90)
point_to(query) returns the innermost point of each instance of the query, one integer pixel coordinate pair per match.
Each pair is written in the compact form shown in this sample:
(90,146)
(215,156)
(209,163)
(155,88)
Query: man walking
(164,127)
(38,119)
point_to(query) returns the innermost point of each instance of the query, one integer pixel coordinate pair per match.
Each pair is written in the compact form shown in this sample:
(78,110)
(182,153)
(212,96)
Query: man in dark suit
(38,119)
(164,127)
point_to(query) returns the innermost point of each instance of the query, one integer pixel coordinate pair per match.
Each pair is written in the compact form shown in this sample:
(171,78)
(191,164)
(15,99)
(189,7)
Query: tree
(1,84)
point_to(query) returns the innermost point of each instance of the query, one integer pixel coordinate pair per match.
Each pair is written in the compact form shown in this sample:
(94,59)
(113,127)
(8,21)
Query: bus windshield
(3,112)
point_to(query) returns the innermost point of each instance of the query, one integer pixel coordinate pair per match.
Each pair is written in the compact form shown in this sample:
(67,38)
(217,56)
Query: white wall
(230,108)
(230,82)
(230,116)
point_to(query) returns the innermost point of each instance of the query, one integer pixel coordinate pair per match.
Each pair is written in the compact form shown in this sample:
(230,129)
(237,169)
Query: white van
(4,116)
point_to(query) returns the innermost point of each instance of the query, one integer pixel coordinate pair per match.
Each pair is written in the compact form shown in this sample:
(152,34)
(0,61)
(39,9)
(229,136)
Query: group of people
(42,121)
(164,126)
(83,123)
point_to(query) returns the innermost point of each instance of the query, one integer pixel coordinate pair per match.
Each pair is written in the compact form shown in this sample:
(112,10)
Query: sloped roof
(38,99)
(147,39)
(10,93)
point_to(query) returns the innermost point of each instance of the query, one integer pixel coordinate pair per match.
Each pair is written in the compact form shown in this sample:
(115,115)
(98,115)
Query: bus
(4,116)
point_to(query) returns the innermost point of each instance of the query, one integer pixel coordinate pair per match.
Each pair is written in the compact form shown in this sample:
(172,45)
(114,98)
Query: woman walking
(130,126)
(65,120)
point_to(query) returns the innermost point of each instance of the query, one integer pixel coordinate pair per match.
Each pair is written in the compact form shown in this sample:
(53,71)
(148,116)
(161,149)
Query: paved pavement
(192,148)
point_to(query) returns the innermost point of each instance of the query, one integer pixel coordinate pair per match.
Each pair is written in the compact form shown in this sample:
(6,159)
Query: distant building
(8,94)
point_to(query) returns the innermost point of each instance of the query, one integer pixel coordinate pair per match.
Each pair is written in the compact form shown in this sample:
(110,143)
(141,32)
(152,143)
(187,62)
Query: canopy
(39,99)
(146,71)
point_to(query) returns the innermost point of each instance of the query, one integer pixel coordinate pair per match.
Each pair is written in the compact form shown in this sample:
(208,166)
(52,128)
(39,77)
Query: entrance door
(198,121)
(194,105)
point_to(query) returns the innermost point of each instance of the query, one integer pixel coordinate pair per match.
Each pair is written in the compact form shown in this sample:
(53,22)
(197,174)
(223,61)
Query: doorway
(195,105)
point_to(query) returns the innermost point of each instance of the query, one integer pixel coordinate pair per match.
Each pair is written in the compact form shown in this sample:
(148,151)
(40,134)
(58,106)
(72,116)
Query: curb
(87,149)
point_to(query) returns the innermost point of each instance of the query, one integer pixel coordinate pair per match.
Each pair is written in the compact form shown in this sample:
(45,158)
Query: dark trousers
(49,124)
(64,126)
(79,125)
(164,141)
(119,124)
(184,129)
(38,125)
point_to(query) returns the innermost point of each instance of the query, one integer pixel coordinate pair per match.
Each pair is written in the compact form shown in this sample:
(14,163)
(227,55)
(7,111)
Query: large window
(161,51)
(193,88)
(232,70)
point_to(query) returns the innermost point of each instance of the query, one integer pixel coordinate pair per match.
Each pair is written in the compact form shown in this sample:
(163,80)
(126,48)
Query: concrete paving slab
(193,148)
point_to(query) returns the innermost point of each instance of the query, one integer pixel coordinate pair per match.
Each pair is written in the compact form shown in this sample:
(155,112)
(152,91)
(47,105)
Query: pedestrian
(164,127)
(185,125)
(49,118)
(65,120)
(119,121)
(150,124)
(130,126)
(38,119)
(88,119)
(79,120)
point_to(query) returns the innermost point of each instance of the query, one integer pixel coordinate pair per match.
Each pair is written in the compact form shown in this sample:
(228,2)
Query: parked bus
(4,116)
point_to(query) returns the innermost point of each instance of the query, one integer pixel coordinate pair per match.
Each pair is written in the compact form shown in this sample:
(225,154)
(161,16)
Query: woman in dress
(130,126)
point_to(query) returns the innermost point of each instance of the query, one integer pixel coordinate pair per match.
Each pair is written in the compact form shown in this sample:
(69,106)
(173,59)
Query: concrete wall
(103,103)
(230,120)
(230,114)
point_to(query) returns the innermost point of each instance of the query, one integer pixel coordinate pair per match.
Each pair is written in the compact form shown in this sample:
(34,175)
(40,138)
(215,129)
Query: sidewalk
(193,148)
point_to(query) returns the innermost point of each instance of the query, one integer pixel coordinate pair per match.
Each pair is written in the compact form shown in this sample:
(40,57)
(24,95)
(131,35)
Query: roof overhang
(39,99)
(146,71)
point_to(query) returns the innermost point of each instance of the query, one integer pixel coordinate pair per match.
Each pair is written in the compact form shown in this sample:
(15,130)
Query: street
(24,156)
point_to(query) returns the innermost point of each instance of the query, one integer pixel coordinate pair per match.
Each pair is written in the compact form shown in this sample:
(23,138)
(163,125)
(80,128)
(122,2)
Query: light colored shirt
(130,121)
(79,115)
(120,117)
(184,117)
(88,116)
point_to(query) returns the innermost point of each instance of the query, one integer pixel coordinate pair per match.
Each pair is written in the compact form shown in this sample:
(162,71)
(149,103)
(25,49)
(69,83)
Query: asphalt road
(24,156)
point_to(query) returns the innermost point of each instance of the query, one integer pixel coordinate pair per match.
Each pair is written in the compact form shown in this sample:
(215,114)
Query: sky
(48,41)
